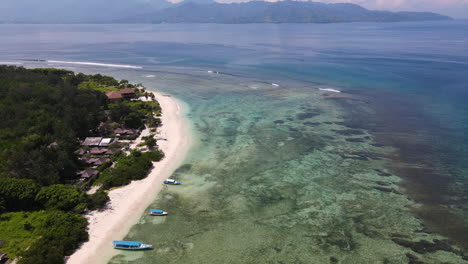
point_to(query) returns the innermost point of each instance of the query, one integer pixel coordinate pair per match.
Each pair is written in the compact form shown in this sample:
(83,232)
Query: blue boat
(172,182)
(130,245)
(157,212)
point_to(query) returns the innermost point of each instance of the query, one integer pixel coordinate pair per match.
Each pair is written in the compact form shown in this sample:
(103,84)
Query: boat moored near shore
(157,212)
(172,182)
(130,245)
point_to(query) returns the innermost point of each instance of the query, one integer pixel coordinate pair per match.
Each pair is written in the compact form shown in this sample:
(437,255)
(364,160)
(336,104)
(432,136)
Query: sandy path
(128,203)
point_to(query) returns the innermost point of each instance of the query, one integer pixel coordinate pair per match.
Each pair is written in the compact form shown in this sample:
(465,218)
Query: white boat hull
(141,247)
(157,214)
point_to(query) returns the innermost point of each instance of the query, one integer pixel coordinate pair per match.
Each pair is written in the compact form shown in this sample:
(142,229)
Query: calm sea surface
(283,171)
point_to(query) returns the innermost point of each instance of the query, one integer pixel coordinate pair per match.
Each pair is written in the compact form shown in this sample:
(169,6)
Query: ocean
(314,143)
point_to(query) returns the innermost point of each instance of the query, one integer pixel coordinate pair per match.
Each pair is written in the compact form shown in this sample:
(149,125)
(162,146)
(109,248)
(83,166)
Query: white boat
(329,90)
(172,182)
(130,245)
(157,212)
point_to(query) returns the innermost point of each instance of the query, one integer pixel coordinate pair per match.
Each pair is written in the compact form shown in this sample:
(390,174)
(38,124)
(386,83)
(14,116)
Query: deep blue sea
(285,169)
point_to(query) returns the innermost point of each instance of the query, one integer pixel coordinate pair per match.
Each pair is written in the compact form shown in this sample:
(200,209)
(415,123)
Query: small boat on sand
(130,245)
(157,212)
(172,182)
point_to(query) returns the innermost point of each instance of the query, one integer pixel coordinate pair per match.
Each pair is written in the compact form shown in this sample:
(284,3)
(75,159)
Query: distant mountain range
(277,12)
(196,11)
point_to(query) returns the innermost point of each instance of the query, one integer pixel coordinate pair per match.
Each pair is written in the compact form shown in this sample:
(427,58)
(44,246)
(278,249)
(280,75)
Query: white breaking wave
(275,84)
(96,64)
(10,63)
(329,90)
(149,76)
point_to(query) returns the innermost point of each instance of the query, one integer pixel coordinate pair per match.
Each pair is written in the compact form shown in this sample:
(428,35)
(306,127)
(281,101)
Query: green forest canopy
(40,107)
(44,114)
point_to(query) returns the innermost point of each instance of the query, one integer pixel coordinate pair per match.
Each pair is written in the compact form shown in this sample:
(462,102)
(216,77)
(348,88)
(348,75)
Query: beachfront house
(119,96)
(98,151)
(94,161)
(92,141)
(88,174)
(97,142)
(120,132)
(127,93)
(105,142)
(110,151)
(114,97)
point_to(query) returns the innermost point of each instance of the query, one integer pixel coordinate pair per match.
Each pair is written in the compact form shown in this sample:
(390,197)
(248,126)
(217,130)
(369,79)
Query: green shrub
(149,141)
(60,234)
(17,194)
(153,121)
(42,236)
(132,167)
(61,197)
(104,166)
(97,200)
(133,120)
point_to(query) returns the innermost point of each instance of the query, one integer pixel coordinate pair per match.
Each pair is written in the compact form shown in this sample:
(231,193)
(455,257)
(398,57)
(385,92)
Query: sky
(454,8)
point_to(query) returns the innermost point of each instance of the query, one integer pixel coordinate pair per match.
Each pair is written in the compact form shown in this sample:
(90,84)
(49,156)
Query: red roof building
(118,96)
(125,132)
(91,141)
(127,92)
(114,96)
(86,174)
(98,151)
(95,161)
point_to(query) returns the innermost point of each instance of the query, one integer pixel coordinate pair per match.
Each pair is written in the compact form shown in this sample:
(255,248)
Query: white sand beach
(128,203)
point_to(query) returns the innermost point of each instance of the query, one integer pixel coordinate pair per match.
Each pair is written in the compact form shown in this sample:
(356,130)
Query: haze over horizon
(453,8)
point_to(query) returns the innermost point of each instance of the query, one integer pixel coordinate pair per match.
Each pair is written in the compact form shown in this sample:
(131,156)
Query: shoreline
(127,203)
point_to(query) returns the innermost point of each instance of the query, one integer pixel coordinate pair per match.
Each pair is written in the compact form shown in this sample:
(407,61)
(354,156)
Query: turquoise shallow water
(284,174)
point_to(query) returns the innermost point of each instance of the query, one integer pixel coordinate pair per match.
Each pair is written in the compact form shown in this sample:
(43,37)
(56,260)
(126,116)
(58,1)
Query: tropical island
(66,140)
(200,11)
(276,12)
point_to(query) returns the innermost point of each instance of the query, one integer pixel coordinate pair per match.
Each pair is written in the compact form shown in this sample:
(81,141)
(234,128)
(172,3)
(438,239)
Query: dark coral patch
(359,140)
(350,132)
(311,123)
(307,115)
(424,246)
